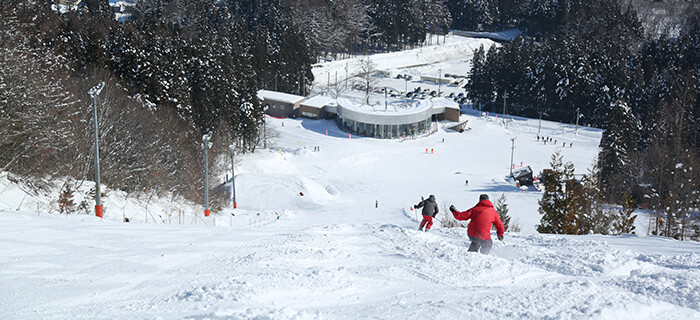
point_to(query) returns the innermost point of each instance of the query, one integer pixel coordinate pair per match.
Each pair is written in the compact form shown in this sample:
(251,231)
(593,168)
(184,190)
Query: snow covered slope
(332,254)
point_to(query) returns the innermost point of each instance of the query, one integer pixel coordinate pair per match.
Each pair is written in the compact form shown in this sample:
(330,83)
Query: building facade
(399,119)
(279,104)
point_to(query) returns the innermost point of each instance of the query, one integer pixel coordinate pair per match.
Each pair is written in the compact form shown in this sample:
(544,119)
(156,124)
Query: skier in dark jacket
(430,209)
(483,215)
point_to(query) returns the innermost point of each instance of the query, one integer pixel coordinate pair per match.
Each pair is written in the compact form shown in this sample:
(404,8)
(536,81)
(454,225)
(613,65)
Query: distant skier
(483,215)
(430,210)
(466,182)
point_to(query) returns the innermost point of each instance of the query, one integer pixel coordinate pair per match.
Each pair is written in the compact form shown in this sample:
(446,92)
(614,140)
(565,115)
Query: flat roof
(318,101)
(396,111)
(279,96)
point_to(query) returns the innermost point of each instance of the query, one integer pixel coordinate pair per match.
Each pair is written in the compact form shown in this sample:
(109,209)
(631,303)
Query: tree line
(173,71)
(598,62)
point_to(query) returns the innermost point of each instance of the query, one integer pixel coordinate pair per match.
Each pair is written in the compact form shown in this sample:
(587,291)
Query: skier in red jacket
(483,215)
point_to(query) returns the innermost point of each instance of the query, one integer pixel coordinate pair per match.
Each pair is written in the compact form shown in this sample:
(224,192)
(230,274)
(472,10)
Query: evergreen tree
(480,87)
(562,202)
(618,147)
(625,220)
(502,209)
(65,199)
(552,203)
(594,216)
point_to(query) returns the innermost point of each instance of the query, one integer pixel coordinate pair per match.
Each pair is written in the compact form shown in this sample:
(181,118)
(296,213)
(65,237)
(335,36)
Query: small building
(435,79)
(313,107)
(279,104)
(523,176)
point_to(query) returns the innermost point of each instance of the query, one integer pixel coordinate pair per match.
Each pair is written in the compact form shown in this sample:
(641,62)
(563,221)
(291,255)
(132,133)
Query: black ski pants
(483,246)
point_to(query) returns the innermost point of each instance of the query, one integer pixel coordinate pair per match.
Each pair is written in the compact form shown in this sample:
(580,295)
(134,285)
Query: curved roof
(395,113)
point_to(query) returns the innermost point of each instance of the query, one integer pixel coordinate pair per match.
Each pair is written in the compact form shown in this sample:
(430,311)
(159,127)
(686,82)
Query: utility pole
(386,104)
(206,145)
(94,92)
(505,96)
(512,149)
(233,179)
(577,116)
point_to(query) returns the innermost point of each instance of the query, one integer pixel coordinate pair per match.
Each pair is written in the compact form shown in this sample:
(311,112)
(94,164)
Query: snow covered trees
(502,209)
(561,202)
(625,219)
(173,70)
(617,151)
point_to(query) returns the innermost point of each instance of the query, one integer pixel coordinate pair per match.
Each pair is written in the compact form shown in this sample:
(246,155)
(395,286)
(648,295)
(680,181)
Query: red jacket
(482,215)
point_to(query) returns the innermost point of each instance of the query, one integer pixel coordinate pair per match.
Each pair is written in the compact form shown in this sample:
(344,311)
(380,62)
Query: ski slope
(332,254)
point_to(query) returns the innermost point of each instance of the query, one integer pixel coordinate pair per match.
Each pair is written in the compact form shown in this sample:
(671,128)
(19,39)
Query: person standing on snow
(483,215)
(430,209)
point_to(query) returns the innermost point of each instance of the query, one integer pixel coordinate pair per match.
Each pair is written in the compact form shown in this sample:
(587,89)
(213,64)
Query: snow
(451,57)
(318,101)
(330,254)
(279,96)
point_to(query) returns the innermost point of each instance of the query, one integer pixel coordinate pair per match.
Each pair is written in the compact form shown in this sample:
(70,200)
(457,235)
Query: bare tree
(366,72)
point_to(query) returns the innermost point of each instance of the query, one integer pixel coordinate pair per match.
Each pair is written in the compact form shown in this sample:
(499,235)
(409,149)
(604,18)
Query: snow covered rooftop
(399,106)
(318,101)
(394,111)
(279,96)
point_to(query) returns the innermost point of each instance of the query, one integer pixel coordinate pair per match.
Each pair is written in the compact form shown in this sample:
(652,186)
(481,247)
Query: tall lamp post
(439,81)
(512,149)
(206,146)
(94,92)
(233,179)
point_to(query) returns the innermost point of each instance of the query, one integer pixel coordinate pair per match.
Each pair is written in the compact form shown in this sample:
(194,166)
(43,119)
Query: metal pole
(512,149)
(439,79)
(505,96)
(93,92)
(539,125)
(577,116)
(205,139)
(233,179)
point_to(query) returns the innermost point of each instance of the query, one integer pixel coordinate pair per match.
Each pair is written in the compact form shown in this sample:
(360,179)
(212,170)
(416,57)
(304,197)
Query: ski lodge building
(396,119)
(279,104)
